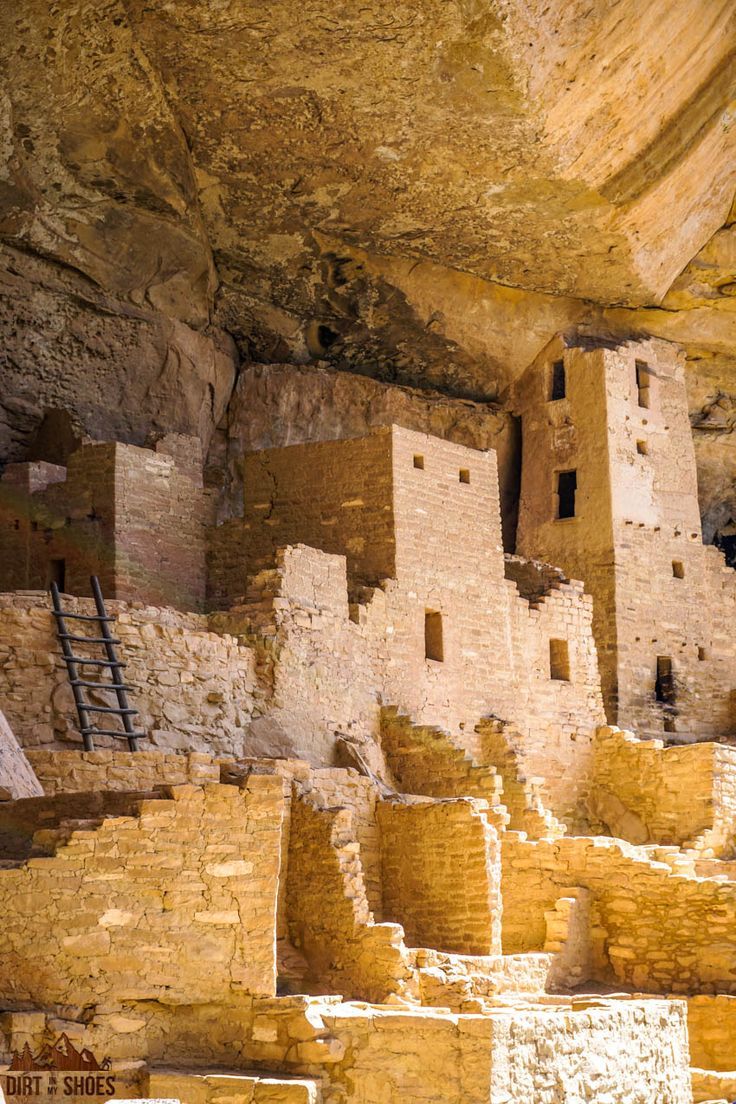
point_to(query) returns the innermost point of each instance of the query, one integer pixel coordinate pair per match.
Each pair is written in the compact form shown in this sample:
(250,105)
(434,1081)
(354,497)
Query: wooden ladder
(102,620)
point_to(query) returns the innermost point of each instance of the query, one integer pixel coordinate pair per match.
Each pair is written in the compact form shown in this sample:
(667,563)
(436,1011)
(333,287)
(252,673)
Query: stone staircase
(522,795)
(425,761)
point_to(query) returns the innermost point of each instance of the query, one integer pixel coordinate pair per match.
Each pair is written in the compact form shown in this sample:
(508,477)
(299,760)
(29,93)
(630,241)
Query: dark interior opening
(642,383)
(727,544)
(557,389)
(56,573)
(567,485)
(433,643)
(664,686)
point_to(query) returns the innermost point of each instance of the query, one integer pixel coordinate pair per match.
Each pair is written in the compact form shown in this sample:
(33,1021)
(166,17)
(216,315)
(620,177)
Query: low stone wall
(442,874)
(646,792)
(175,902)
(85,771)
(651,929)
(543,1055)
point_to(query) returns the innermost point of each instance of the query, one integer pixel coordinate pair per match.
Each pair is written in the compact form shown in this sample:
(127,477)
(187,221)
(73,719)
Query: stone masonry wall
(337,497)
(135,517)
(328,914)
(185,885)
(545,1056)
(194,688)
(635,538)
(442,501)
(711,1024)
(108,769)
(654,930)
(275,405)
(442,874)
(646,792)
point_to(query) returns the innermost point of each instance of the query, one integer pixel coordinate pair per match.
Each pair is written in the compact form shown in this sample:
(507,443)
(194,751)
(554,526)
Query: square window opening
(703,654)
(678,569)
(418,461)
(559,660)
(464,475)
(433,641)
(669,724)
(558,383)
(567,485)
(642,448)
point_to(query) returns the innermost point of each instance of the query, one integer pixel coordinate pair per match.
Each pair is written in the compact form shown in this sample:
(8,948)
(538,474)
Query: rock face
(424,195)
(16,774)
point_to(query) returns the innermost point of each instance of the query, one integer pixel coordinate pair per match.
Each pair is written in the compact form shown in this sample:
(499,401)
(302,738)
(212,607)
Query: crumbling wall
(442,874)
(320,671)
(328,914)
(543,1055)
(646,792)
(653,930)
(189,915)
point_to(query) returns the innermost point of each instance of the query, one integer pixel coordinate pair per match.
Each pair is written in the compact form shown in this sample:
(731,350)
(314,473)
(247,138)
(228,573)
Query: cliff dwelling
(367,553)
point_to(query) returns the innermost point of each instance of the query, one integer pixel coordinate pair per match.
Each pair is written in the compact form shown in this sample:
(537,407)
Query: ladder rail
(71,665)
(116,671)
(73,662)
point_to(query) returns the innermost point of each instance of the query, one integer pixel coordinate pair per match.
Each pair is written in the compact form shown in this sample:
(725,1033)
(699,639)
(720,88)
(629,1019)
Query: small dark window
(418,461)
(433,644)
(678,569)
(642,383)
(464,475)
(642,448)
(669,724)
(664,687)
(56,573)
(557,386)
(702,653)
(567,485)
(559,660)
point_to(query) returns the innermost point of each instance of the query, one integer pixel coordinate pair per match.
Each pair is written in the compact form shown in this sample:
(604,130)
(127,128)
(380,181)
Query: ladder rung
(96,662)
(89,639)
(101,685)
(116,732)
(108,709)
(83,616)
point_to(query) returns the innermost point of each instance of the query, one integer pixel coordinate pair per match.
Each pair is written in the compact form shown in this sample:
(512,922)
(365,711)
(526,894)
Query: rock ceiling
(422,191)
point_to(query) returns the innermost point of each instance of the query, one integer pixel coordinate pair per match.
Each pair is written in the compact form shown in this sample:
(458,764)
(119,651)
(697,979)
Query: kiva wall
(442,874)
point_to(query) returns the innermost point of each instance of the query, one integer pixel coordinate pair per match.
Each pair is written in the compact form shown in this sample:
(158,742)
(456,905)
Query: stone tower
(609,492)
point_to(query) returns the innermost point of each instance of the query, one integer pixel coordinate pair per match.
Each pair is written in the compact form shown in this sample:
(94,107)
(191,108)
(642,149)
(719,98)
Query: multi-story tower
(609,492)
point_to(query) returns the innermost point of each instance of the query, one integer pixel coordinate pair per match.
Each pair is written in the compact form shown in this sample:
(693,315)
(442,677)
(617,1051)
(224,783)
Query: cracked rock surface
(422,193)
